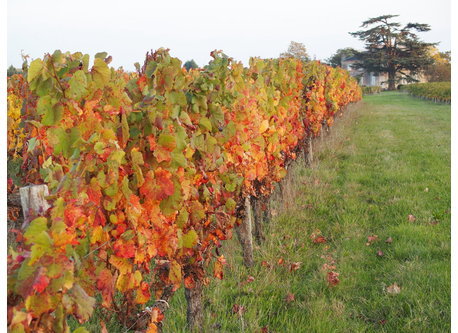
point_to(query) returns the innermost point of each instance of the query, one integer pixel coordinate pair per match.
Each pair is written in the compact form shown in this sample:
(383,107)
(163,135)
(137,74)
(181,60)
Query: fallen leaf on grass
(319,240)
(238,309)
(371,239)
(380,253)
(265,329)
(294,266)
(389,240)
(289,298)
(248,280)
(426,189)
(266,264)
(393,289)
(411,218)
(333,278)
(281,261)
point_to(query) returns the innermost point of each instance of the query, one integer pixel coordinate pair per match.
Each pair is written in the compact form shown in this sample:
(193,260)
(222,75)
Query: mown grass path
(384,160)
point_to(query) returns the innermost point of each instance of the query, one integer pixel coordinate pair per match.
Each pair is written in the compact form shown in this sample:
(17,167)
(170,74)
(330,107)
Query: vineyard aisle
(347,219)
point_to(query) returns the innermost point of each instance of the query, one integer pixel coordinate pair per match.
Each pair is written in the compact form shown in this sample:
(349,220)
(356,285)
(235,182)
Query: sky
(192,29)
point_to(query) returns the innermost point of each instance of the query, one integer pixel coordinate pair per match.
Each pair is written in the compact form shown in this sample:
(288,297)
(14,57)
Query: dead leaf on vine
(411,218)
(393,289)
(289,298)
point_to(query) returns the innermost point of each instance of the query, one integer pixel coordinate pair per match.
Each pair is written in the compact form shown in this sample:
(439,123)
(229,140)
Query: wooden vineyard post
(33,201)
(244,233)
(194,311)
(258,217)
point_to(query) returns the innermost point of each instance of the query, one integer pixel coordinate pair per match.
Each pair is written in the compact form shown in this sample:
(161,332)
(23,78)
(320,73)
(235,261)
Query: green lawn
(385,159)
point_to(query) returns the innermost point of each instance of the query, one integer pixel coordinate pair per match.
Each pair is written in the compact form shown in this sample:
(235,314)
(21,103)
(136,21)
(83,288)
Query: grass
(387,158)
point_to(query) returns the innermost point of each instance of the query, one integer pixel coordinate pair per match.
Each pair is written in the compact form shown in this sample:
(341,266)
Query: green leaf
(32,144)
(84,303)
(182,218)
(167,141)
(190,239)
(100,72)
(34,70)
(137,157)
(101,55)
(205,123)
(78,85)
(172,203)
(36,227)
(44,104)
(63,140)
(53,115)
(230,204)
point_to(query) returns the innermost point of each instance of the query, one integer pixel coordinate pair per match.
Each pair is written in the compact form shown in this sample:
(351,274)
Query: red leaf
(40,283)
(289,298)
(333,278)
(319,240)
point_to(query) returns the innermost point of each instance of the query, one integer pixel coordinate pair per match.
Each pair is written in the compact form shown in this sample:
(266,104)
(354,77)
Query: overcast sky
(192,29)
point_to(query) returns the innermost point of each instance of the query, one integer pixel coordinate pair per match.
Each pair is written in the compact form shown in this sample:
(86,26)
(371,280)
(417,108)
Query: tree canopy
(336,59)
(394,49)
(190,64)
(296,50)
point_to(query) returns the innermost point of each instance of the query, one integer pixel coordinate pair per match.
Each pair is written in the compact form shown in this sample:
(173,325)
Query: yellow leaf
(264,126)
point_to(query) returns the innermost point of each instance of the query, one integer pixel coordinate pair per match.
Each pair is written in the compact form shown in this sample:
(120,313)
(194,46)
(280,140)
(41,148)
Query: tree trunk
(392,80)
(258,217)
(194,312)
(244,233)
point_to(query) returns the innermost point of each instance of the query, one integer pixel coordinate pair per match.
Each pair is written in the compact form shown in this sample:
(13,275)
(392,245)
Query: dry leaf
(389,240)
(289,298)
(238,309)
(393,289)
(412,218)
(294,266)
(319,240)
(380,253)
(333,278)
(372,239)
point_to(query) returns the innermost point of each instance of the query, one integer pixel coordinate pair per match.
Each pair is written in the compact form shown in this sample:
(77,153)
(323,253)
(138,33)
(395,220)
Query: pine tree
(393,49)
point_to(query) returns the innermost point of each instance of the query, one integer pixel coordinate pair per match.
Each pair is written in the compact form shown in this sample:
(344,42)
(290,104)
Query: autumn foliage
(147,172)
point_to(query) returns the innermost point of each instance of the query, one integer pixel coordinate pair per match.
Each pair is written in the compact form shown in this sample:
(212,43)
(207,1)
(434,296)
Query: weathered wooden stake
(33,201)
(194,312)
(244,233)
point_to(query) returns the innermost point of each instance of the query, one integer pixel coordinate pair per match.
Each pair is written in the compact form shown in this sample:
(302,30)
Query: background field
(387,158)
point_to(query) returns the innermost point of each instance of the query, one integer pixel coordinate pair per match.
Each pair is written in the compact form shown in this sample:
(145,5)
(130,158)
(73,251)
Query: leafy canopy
(296,50)
(393,49)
